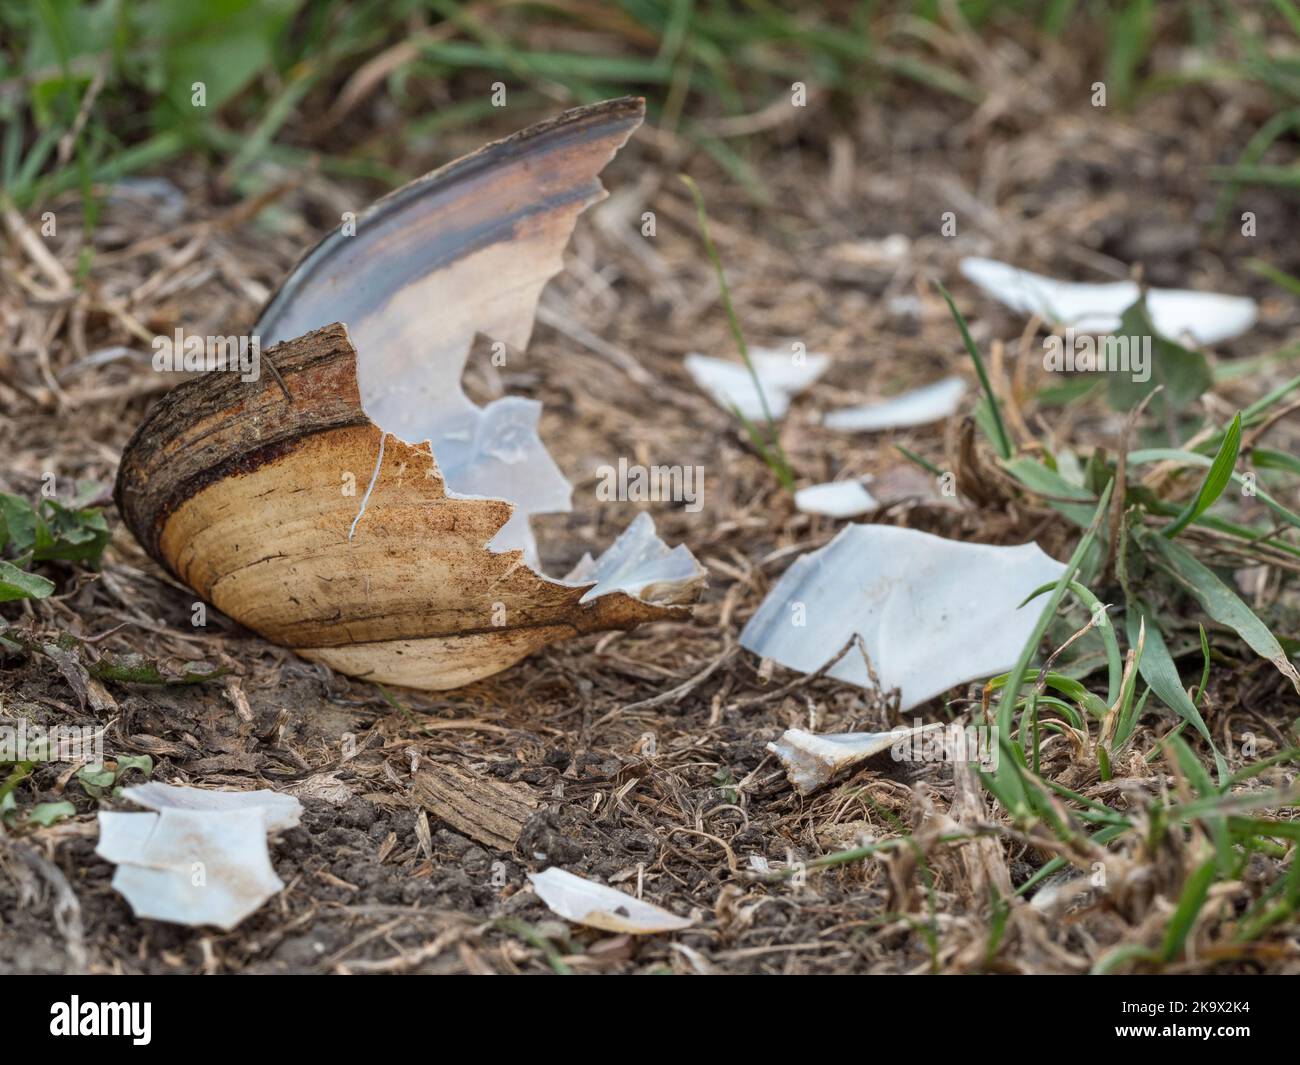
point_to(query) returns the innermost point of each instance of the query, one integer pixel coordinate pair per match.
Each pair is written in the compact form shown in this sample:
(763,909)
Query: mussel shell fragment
(237,487)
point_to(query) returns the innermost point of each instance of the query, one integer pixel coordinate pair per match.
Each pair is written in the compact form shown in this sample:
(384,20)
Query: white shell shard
(836,499)
(932,613)
(460,253)
(598,906)
(506,459)
(641,564)
(123,836)
(781,375)
(456,259)
(811,760)
(190,867)
(279,811)
(1179,314)
(917,407)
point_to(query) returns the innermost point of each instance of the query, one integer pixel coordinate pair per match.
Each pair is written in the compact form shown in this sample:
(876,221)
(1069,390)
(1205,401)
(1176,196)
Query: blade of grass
(1192,458)
(1270,272)
(776,460)
(1216,480)
(1095,607)
(1012,691)
(1001,440)
(1190,902)
(924,463)
(1161,674)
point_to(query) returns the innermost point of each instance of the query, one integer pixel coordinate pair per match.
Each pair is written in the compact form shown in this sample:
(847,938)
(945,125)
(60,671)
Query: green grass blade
(1191,458)
(1216,479)
(777,460)
(1193,897)
(1159,671)
(1017,679)
(1001,440)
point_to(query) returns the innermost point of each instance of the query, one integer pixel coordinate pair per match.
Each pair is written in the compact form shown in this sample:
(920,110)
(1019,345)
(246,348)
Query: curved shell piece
(419,578)
(237,491)
(461,252)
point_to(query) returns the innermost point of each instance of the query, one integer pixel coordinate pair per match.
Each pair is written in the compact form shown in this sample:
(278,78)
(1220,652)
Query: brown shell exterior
(238,491)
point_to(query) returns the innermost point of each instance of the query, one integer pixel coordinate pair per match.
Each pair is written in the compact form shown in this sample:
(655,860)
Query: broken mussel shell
(426,575)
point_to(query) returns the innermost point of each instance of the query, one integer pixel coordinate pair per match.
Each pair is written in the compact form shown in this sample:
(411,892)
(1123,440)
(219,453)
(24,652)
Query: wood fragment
(489,811)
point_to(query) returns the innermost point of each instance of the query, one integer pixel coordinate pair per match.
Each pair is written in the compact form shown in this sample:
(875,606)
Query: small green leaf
(19,584)
(48,813)
(127,762)
(96,780)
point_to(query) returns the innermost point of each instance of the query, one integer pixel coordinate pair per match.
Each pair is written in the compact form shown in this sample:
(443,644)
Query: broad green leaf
(1158,670)
(1216,479)
(1038,478)
(19,519)
(222,43)
(1224,605)
(70,535)
(142,762)
(1184,373)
